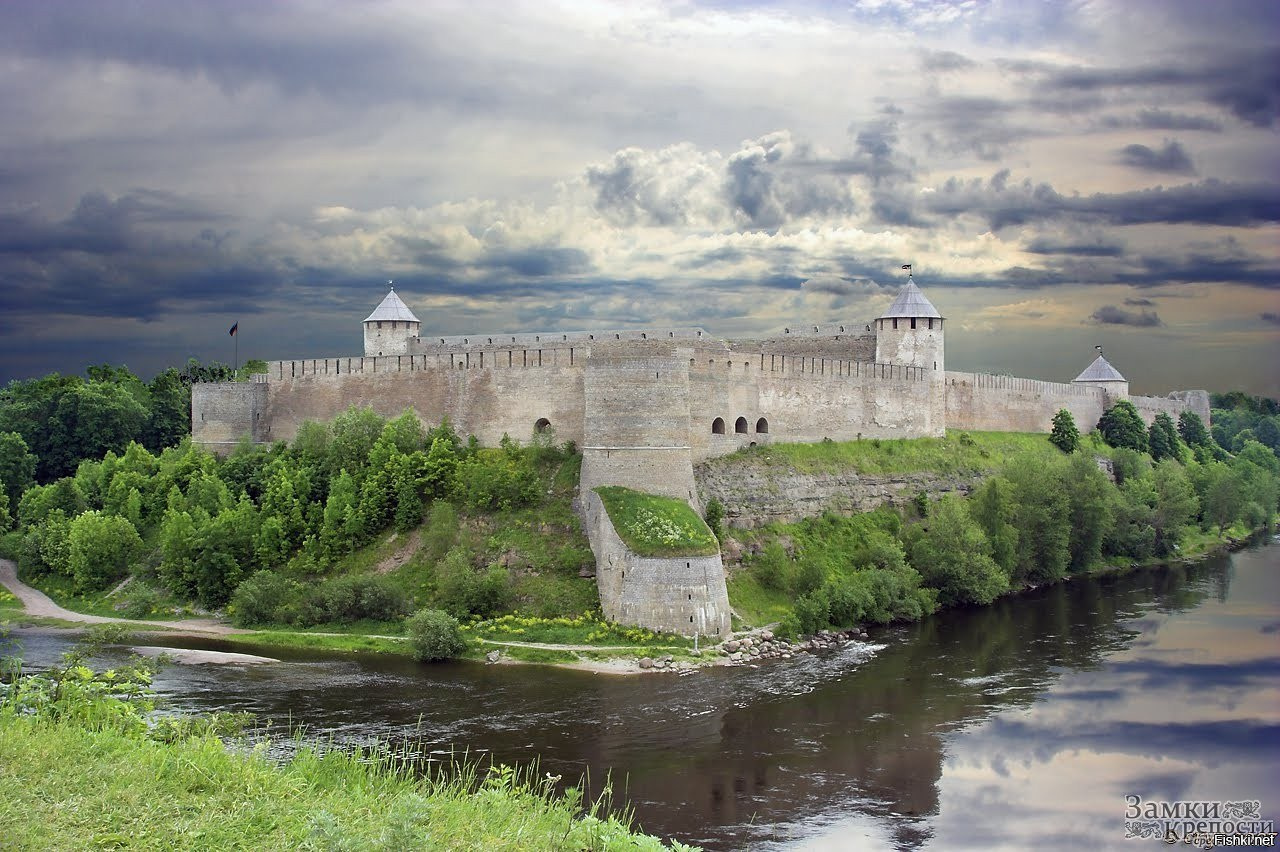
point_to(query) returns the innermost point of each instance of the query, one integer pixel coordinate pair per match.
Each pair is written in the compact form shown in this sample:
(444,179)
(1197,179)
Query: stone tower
(388,330)
(1100,374)
(910,331)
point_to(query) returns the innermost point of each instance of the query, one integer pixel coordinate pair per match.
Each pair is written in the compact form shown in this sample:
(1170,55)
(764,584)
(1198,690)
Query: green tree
(101,549)
(715,517)
(1162,438)
(17,467)
(408,514)
(39,501)
(169,419)
(338,532)
(1043,519)
(434,635)
(991,505)
(1191,430)
(1122,426)
(440,469)
(355,431)
(180,543)
(954,557)
(1175,506)
(1089,498)
(1224,498)
(1065,436)
(6,519)
(90,419)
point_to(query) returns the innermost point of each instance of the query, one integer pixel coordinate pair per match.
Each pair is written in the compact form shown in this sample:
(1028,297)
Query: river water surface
(1020,725)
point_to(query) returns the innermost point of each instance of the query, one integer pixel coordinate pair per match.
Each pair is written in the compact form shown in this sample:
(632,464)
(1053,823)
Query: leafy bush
(356,597)
(265,598)
(434,635)
(463,591)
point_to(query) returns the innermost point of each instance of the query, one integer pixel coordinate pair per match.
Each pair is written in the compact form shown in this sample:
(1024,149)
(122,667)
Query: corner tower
(388,330)
(1100,374)
(910,331)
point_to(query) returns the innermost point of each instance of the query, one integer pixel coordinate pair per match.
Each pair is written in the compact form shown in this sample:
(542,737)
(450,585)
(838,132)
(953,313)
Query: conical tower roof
(391,308)
(1100,371)
(911,302)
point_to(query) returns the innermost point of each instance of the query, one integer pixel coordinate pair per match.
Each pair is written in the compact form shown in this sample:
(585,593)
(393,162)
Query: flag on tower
(233,330)
(906,266)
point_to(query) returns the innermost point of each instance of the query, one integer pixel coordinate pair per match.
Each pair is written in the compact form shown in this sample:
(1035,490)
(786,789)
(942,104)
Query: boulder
(646,662)
(493,656)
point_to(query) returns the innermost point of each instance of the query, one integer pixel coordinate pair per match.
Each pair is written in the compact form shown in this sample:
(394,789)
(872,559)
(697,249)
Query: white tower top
(911,302)
(391,308)
(1100,371)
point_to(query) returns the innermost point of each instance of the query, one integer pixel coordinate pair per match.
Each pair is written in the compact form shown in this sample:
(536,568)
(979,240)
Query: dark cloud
(1140,303)
(1209,202)
(1111,315)
(1095,247)
(1171,158)
(944,60)
(1270,316)
(1245,82)
(1158,119)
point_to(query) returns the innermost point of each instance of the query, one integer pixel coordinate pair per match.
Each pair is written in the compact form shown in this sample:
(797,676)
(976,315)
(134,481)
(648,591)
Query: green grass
(68,787)
(585,629)
(958,453)
(756,605)
(266,639)
(657,526)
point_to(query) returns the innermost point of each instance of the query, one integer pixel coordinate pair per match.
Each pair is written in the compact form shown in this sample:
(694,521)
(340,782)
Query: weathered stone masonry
(646,405)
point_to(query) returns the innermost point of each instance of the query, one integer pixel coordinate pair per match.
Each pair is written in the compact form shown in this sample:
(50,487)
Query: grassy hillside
(657,526)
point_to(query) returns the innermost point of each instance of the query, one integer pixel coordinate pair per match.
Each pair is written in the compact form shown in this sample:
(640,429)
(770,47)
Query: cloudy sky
(1061,174)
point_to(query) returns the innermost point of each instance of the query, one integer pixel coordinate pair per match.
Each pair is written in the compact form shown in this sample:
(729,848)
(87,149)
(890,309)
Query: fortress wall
(806,399)
(224,413)
(982,402)
(636,425)
(486,402)
(856,345)
(427,344)
(1173,405)
(685,595)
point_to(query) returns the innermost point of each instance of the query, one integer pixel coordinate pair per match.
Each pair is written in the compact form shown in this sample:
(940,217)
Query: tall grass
(657,526)
(81,768)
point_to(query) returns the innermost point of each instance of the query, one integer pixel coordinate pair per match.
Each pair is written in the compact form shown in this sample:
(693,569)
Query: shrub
(355,597)
(265,598)
(434,635)
(1065,436)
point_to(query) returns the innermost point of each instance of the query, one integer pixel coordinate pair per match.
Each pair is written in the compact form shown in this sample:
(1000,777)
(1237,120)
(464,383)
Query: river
(1020,725)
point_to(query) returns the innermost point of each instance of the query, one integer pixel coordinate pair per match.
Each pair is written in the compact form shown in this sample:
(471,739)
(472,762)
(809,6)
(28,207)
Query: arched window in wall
(717,426)
(740,426)
(762,426)
(542,425)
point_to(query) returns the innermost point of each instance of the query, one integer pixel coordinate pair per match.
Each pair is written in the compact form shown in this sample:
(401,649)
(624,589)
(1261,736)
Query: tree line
(202,525)
(1126,493)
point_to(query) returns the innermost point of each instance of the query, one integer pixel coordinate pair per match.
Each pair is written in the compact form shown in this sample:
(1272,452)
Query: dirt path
(38,603)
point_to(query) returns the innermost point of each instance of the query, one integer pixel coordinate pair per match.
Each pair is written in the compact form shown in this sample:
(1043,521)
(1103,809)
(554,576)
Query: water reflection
(1019,725)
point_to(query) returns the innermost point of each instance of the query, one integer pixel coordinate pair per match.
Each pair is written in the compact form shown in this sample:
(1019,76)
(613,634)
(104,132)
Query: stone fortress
(645,405)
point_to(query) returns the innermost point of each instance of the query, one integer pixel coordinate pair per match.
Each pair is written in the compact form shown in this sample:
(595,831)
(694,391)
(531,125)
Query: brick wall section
(684,595)
(982,402)
(225,413)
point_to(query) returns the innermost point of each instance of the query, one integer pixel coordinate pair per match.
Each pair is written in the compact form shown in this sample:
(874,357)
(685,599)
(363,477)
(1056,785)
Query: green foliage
(1175,506)
(714,516)
(1042,517)
(464,591)
(954,557)
(502,480)
(959,453)
(355,597)
(1162,438)
(991,505)
(1064,435)
(1089,496)
(1122,426)
(101,549)
(657,526)
(434,635)
(1192,431)
(17,467)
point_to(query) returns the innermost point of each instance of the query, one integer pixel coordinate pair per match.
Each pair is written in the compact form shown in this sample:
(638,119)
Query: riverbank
(68,786)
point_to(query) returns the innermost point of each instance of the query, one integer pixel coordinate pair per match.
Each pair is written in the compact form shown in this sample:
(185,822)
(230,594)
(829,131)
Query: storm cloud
(1111,315)
(171,167)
